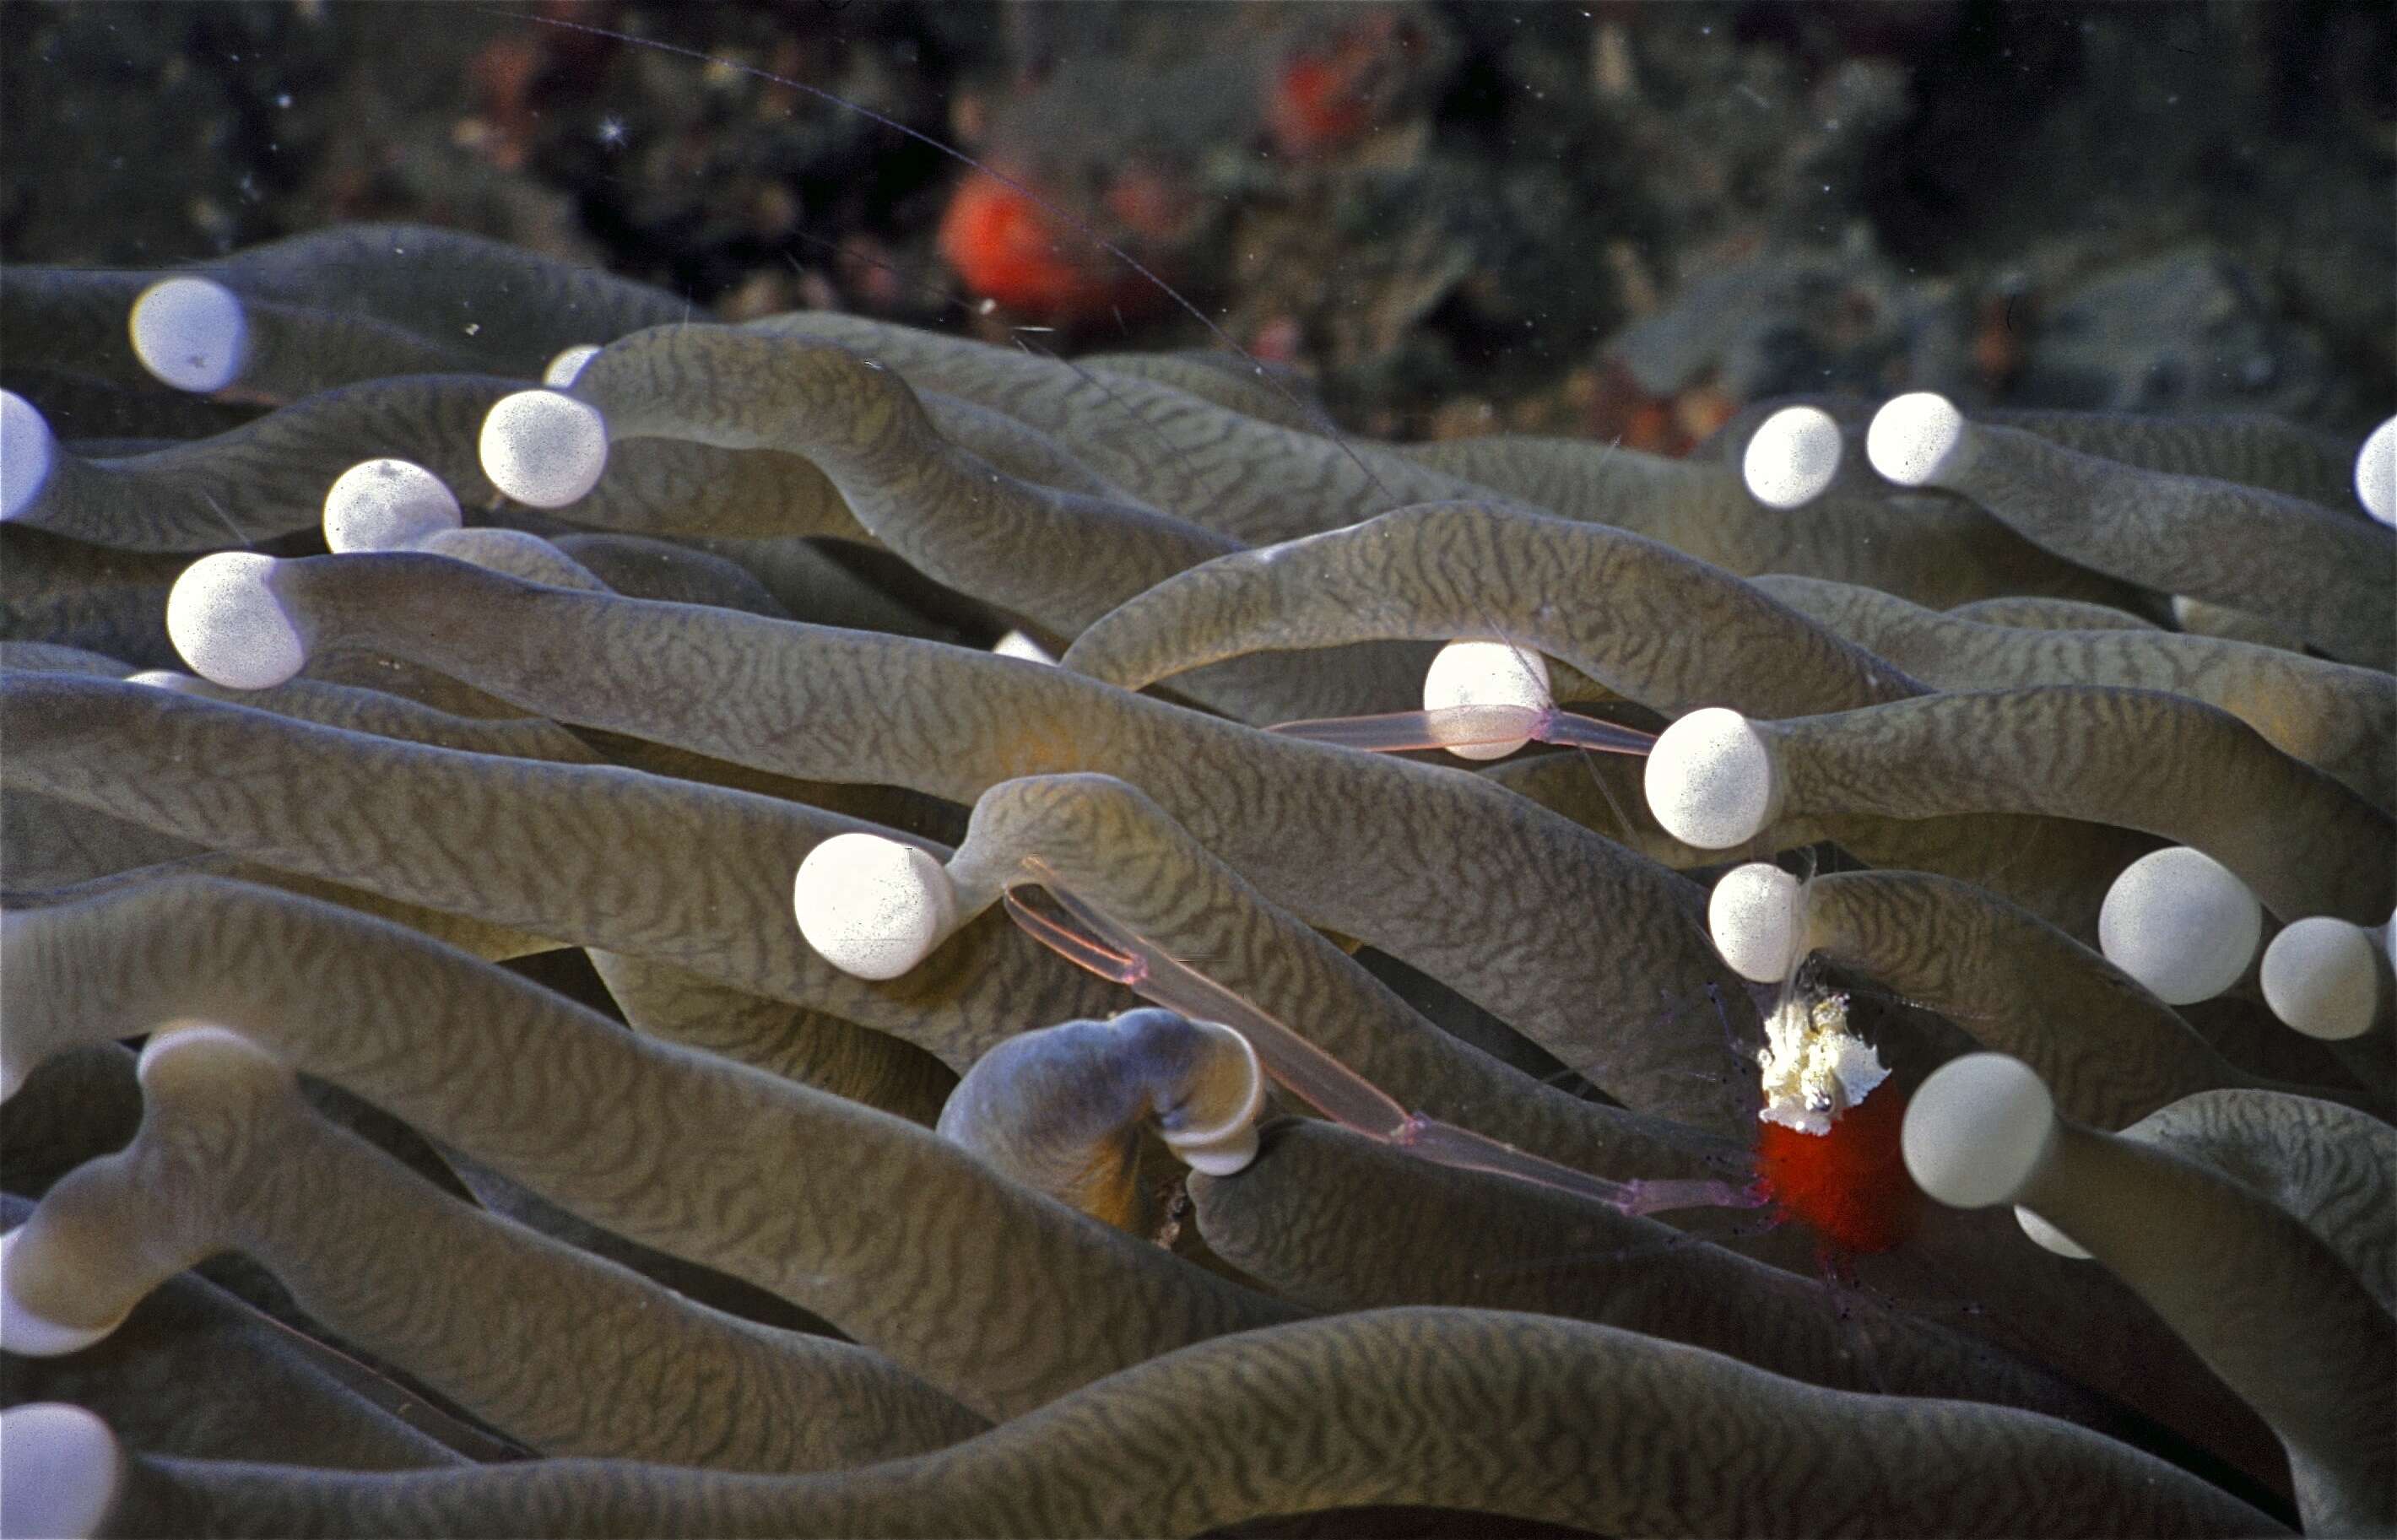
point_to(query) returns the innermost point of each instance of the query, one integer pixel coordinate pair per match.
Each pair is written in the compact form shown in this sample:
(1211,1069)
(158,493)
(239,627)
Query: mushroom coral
(648,988)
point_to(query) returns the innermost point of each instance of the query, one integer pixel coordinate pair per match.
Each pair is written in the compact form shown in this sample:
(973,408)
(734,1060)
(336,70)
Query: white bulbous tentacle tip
(2376,473)
(28,453)
(567,366)
(2181,923)
(1913,436)
(1477,673)
(1226,1146)
(2048,1236)
(1792,457)
(31,1335)
(543,448)
(873,907)
(191,333)
(1710,779)
(185,1034)
(387,506)
(1015,644)
(2325,978)
(223,617)
(1755,916)
(1978,1131)
(60,1471)
(1229,1156)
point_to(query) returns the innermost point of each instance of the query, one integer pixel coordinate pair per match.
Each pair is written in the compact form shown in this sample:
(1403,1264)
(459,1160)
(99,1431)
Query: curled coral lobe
(788,813)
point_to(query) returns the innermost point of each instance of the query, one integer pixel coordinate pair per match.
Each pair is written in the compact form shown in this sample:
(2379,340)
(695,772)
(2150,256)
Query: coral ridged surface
(797,924)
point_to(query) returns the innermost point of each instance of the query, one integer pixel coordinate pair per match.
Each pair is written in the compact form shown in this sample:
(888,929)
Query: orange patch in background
(1326,97)
(1615,408)
(1314,106)
(1850,1185)
(1008,249)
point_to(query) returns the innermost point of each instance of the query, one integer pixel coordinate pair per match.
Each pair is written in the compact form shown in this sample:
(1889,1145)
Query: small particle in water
(612,132)
(283,99)
(473,328)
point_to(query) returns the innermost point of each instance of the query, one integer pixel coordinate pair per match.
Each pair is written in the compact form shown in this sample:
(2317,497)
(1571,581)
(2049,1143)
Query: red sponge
(1008,247)
(1314,106)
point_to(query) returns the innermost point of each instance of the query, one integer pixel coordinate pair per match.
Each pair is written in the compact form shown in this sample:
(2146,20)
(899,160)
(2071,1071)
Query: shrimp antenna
(1499,728)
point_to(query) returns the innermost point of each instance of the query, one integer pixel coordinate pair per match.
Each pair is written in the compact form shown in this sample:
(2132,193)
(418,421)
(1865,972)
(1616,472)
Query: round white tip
(33,1336)
(1226,1156)
(1792,457)
(183,1035)
(542,448)
(873,907)
(163,679)
(1754,913)
(2322,976)
(191,333)
(1912,436)
(1486,674)
(1710,781)
(2048,1236)
(387,506)
(1015,644)
(2376,473)
(228,624)
(1226,1147)
(28,451)
(2181,923)
(60,1466)
(1978,1131)
(568,365)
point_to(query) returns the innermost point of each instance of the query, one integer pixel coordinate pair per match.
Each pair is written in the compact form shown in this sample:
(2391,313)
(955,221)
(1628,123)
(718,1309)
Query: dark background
(1610,217)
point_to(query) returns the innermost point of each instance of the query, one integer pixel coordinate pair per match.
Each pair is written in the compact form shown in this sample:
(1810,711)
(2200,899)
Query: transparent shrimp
(1455,727)
(1482,700)
(1088,937)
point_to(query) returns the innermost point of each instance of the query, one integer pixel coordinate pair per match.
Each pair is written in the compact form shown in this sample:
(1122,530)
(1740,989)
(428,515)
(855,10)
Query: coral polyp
(1190,868)
(625,923)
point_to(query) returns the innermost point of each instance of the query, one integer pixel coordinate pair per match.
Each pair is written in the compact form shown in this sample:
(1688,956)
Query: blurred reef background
(1610,219)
